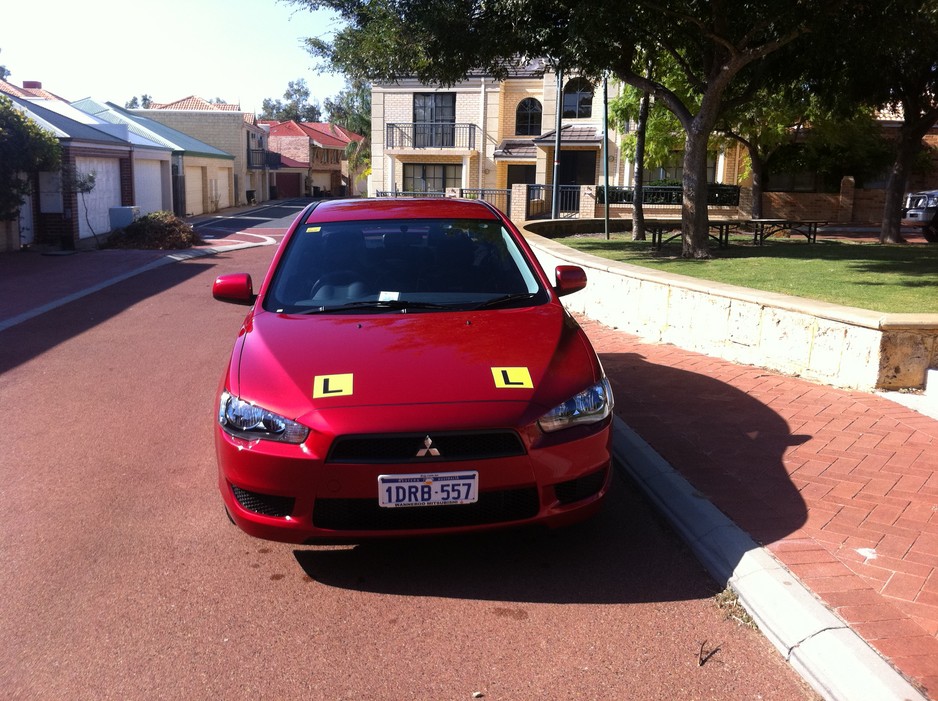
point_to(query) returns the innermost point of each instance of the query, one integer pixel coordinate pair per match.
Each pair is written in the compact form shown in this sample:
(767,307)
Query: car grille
(409,447)
(265,504)
(366,515)
(580,488)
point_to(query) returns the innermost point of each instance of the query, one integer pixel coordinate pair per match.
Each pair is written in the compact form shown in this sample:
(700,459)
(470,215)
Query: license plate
(435,489)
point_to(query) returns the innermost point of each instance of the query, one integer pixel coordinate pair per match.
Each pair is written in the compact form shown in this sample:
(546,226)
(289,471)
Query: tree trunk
(908,147)
(638,207)
(694,226)
(758,182)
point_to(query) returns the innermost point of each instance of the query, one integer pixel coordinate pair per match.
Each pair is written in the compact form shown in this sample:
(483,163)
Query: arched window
(528,117)
(578,99)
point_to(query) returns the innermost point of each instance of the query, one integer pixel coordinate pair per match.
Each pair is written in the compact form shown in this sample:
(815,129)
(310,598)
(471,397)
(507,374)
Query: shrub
(159,230)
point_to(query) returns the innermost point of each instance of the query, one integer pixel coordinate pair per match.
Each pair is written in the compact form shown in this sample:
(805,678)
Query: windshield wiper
(506,299)
(392,304)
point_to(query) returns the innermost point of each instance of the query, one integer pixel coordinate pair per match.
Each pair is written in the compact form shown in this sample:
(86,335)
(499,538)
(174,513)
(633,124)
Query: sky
(113,50)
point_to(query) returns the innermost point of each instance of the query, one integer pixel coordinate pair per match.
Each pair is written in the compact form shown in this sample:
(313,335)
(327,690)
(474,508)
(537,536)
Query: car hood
(299,366)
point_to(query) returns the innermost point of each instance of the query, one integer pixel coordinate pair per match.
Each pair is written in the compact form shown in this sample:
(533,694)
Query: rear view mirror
(236,288)
(570,278)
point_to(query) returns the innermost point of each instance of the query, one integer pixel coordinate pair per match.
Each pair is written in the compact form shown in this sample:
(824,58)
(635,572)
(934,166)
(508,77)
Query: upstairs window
(528,117)
(578,99)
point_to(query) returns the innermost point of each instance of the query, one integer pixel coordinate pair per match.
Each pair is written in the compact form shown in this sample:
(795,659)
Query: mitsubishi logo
(428,449)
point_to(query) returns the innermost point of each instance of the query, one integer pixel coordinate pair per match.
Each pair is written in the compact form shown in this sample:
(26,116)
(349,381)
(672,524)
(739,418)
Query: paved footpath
(840,488)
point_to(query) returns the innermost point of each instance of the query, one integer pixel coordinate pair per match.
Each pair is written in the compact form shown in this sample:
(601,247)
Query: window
(578,99)
(431,177)
(434,120)
(673,170)
(528,117)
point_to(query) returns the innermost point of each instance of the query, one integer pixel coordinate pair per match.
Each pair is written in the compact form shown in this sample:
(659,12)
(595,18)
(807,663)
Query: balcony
(259,158)
(427,135)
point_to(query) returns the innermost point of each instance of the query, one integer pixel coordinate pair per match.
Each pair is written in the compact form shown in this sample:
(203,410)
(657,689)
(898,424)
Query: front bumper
(287,493)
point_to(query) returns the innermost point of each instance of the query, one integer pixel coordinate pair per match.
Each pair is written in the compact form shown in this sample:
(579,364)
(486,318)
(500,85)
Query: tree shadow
(31,338)
(729,445)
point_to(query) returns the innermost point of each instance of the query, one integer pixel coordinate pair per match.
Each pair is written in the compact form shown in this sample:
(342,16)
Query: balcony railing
(262,158)
(431,135)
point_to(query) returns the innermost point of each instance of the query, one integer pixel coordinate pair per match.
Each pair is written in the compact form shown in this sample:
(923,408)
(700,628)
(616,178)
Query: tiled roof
(287,162)
(286,129)
(27,93)
(571,133)
(516,148)
(323,135)
(194,102)
(334,131)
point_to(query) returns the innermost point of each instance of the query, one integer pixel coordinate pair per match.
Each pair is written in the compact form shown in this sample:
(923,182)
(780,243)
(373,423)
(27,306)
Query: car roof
(400,208)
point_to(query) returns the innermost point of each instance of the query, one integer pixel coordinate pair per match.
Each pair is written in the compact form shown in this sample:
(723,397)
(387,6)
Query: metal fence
(498,198)
(409,193)
(430,135)
(669,195)
(541,198)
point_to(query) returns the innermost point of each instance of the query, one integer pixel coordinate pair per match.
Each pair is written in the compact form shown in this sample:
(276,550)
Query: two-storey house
(482,133)
(319,146)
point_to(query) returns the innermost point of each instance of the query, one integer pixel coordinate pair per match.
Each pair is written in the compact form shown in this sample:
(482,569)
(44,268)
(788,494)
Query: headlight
(589,406)
(251,422)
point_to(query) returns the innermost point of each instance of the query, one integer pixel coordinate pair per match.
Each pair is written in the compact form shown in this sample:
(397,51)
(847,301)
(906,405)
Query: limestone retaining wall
(841,346)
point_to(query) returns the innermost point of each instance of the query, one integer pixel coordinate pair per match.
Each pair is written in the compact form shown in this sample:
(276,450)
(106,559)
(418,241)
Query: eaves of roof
(72,129)
(571,134)
(180,141)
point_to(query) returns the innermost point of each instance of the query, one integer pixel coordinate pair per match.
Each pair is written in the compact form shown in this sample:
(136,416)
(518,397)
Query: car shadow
(625,554)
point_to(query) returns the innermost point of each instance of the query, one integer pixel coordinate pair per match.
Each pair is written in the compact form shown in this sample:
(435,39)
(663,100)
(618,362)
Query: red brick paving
(841,486)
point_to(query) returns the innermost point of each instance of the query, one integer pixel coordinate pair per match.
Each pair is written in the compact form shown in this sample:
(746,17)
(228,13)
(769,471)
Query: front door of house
(576,168)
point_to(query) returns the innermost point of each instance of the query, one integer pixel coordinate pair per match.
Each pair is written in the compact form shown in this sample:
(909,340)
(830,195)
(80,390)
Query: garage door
(289,184)
(148,186)
(194,190)
(94,208)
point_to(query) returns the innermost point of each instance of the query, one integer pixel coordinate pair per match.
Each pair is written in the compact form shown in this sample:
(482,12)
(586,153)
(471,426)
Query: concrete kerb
(174,257)
(832,658)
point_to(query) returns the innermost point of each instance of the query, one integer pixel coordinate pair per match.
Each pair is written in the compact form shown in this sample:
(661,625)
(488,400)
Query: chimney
(32,85)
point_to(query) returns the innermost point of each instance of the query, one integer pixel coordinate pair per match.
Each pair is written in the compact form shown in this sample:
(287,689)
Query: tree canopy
(351,109)
(3,71)
(719,49)
(295,105)
(24,148)
(135,102)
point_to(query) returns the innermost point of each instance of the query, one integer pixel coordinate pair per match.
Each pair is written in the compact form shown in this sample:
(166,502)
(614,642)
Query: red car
(407,368)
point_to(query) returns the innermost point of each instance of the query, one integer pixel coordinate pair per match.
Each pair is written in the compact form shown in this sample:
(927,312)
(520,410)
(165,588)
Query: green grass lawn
(885,278)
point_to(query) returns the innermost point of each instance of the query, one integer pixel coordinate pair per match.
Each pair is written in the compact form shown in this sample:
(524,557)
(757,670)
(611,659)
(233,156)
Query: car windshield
(415,265)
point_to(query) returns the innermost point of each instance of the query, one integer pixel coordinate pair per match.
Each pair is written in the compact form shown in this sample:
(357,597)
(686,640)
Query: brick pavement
(840,486)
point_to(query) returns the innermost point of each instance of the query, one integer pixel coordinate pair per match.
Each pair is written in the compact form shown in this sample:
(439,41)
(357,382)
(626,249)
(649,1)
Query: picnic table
(659,226)
(763,228)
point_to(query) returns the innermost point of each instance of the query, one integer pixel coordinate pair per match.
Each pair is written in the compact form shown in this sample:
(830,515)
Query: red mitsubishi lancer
(407,368)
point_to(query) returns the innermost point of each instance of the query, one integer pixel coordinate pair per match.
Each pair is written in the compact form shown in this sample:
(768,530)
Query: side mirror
(236,288)
(570,278)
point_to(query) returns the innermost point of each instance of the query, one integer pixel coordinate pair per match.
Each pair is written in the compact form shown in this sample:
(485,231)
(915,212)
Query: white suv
(920,209)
